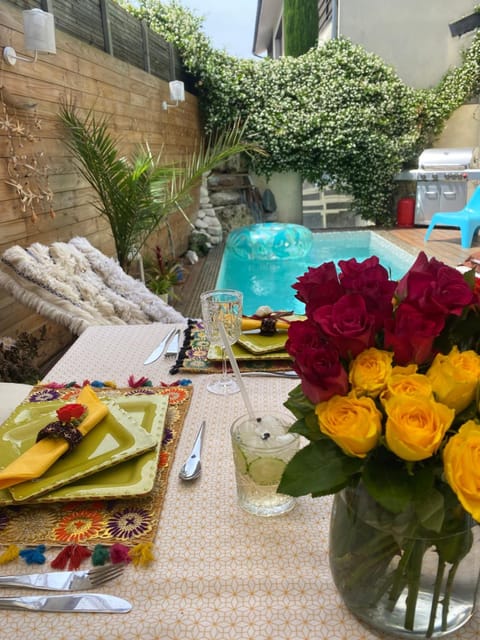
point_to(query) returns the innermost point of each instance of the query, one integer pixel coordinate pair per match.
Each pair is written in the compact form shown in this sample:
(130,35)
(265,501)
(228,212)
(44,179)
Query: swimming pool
(269,282)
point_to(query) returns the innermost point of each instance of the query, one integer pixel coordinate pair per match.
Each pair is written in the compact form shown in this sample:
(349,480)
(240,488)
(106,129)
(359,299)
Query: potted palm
(137,194)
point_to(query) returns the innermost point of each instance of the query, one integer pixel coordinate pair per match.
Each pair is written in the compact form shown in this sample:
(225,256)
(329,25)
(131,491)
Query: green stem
(448,593)
(414,571)
(436,596)
(400,573)
(368,562)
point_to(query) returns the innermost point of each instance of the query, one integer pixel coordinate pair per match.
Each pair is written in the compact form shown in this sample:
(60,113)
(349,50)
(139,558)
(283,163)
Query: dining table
(218,572)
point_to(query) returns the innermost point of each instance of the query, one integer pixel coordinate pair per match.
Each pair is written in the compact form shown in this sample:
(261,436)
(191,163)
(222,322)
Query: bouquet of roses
(388,398)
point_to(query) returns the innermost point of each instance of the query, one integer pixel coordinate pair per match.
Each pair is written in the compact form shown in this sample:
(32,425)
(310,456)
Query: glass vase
(399,577)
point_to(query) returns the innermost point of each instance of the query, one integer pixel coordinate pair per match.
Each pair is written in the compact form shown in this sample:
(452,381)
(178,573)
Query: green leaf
(388,483)
(298,403)
(320,468)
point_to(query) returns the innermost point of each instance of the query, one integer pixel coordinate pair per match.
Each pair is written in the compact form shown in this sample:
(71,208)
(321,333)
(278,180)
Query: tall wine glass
(222,306)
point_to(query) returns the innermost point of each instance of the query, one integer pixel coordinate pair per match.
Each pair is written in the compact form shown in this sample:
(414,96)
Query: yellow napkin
(36,460)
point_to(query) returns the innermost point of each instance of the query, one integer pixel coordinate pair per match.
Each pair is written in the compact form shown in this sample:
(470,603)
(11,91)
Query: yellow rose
(455,378)
(414,384)
(461,460)
(354,424)
(416,426)
(370,371)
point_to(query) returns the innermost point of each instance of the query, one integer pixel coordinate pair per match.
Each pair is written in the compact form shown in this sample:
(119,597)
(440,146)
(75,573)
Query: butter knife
(160,350)
(77,603)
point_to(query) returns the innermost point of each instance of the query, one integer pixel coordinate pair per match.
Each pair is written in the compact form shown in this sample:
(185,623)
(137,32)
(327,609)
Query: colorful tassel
(141,382)
(60,562)
(72,555)
(100,555)
(119,553)
(11,553)
(34,556)
(142,554)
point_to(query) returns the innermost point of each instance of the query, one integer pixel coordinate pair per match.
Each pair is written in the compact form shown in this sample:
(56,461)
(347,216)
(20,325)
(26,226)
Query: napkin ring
(68,432)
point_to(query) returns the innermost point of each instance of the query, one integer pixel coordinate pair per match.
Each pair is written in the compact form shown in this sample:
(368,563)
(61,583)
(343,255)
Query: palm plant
(137,194)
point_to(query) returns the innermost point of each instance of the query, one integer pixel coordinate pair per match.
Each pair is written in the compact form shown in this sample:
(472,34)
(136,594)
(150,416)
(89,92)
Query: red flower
(318,286)
(435,288)
(317,362)
(70,412)
(411,334)
(371,281)
(348,324)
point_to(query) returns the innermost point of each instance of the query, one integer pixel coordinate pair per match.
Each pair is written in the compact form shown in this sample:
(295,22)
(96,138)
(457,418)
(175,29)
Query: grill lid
(445,159)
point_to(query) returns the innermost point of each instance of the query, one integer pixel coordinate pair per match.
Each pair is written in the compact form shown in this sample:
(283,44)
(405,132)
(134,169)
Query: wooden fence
(107,26)
(130,97)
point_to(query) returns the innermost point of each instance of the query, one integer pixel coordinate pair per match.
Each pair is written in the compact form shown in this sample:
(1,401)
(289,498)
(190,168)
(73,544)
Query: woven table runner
(193,356)
(127,520)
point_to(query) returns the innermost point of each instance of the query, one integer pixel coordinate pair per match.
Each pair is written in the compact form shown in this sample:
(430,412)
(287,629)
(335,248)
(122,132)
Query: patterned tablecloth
(219,573)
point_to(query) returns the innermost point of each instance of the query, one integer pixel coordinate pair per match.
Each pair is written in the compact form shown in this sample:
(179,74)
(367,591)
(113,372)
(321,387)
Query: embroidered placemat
(193,355)
(127,520)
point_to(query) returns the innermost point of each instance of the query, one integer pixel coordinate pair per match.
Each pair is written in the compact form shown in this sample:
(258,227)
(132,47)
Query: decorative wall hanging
(27,168)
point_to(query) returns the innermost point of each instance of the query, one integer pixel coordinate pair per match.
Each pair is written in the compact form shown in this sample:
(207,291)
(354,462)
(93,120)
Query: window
(324,13)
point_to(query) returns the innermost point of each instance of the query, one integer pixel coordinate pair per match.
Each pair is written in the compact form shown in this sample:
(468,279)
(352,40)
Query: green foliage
(161,275)
(300,26)
(136,195)
(336,110)
(17,357)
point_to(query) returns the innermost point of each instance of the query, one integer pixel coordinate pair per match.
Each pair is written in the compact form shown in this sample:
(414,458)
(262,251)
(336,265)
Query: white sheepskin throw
(77,286)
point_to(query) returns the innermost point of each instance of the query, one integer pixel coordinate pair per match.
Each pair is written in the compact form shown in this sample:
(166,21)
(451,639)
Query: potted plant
(136,194)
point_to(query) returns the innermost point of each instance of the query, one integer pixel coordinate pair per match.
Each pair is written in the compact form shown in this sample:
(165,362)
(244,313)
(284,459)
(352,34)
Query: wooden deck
(444,244)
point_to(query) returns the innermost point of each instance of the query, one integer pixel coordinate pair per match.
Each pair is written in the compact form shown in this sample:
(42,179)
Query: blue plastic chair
(467,219)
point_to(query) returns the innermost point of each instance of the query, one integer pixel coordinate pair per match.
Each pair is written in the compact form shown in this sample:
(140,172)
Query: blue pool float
(270,241)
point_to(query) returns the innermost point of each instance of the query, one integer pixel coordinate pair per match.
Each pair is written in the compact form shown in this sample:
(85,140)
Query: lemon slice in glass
(266,471)
(239,459)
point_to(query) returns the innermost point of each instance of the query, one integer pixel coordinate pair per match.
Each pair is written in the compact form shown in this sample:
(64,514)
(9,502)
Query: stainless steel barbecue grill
(445,179)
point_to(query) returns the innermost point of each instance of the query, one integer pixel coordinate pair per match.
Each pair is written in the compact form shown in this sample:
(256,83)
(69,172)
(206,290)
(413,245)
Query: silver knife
(159,351)
(77,603)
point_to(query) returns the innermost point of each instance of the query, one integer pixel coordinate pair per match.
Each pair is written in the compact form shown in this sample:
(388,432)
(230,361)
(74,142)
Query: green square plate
(116,438)
(133,477)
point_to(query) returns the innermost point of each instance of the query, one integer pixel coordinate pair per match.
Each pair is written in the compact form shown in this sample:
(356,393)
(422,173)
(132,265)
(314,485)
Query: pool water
(269,282)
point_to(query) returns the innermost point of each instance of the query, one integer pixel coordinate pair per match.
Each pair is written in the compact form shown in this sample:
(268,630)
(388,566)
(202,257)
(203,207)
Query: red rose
(411,335)
(435,288)
(351,268)
(407,286)
(371,281)
(348,324)
(317,362)
(70,412)
(318,286)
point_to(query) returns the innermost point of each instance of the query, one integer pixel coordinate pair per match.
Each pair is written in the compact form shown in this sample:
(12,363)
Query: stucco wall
(411,35)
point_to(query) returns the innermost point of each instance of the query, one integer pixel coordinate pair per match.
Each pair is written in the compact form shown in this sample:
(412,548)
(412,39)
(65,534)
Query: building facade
(414,37)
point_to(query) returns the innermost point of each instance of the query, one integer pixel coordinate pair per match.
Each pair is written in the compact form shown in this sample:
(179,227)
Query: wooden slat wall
(130,97)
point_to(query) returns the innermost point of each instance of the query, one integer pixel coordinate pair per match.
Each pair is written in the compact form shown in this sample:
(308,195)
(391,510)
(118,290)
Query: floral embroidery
(176,395)
(45,394)
(164,459)
(79,526)
(167,436)
(129,523)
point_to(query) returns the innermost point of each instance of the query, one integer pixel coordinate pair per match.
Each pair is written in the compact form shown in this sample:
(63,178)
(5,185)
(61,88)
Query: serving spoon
(192,466)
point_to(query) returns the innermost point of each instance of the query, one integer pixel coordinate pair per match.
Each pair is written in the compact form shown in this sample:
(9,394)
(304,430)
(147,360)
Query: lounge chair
(77,286)
(467,219)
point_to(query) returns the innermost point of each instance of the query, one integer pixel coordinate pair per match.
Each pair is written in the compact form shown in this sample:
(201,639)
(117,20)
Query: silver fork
(173,346)
(65,580)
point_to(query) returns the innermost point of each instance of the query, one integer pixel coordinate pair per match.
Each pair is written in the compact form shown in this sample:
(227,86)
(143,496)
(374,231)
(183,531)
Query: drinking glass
(222,307)
(261,449)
